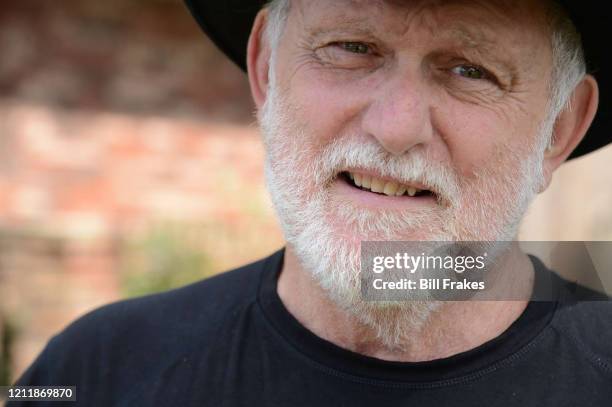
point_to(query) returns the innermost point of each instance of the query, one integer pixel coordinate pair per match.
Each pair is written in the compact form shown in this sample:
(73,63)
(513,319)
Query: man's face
(446,97)
(462,84)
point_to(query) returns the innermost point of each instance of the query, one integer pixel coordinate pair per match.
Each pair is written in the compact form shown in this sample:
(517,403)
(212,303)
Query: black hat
(228,24)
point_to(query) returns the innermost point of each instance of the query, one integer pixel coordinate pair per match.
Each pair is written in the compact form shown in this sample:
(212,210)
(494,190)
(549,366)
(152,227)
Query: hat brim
(228,24)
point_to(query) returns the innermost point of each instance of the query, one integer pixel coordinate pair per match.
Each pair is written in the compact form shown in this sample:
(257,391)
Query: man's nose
(399,115)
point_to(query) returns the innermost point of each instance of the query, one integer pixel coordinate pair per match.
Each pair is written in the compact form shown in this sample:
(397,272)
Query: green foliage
(162,259)
(7,339)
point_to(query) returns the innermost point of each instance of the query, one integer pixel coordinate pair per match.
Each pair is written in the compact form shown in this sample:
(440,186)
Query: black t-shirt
(229,341)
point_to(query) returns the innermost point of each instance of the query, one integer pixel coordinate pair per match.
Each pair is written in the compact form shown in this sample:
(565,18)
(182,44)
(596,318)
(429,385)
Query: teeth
(377,185)
(389,188)
(366,181)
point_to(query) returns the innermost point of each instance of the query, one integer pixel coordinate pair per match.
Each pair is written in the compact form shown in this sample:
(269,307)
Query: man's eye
(471,72)
(355,47)
(349,55)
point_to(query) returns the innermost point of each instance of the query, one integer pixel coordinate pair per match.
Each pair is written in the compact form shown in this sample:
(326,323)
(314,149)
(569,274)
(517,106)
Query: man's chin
(355,225)
(393,322)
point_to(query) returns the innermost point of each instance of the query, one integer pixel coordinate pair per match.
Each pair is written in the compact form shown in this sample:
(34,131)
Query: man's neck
(454,328)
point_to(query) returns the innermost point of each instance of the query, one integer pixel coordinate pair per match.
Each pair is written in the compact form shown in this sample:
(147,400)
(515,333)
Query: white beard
(326,234)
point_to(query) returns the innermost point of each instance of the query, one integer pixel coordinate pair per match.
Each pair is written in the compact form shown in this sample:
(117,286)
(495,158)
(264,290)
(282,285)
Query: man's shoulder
(588,326)
(583,315)
(586,314)
(198,304)
(145,334)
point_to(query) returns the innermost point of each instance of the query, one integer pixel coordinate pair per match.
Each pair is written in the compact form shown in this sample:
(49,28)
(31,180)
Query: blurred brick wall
(80,182)
(83,172)
(115,116)
(130,56)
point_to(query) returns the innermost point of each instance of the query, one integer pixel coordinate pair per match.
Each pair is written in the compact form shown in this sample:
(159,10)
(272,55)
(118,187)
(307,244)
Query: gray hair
(569,65)
(278,10)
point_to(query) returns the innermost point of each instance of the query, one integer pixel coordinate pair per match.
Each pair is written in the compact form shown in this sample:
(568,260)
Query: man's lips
(387,198)
(373,183)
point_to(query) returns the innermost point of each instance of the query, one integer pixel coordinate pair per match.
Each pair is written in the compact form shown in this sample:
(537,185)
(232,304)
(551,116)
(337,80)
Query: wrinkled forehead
(480,19)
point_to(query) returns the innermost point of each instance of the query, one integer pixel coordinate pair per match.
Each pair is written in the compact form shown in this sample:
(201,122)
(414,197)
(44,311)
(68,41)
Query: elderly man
(382,121)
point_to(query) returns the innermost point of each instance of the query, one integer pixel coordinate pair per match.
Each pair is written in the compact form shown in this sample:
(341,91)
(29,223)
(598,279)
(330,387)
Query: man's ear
(258,59)
(571,126)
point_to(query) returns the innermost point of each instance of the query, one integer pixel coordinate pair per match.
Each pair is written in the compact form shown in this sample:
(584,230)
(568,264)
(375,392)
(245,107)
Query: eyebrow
(483,45)
(475,39)
(355,25)
(358,24)
(472,38)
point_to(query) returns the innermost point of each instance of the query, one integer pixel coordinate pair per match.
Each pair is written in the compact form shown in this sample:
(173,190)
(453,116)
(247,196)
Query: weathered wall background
(130,56)
(127,148)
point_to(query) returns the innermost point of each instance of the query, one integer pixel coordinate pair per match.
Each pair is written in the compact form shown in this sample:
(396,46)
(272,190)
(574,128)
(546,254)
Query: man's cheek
(329,110)
(471,141)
